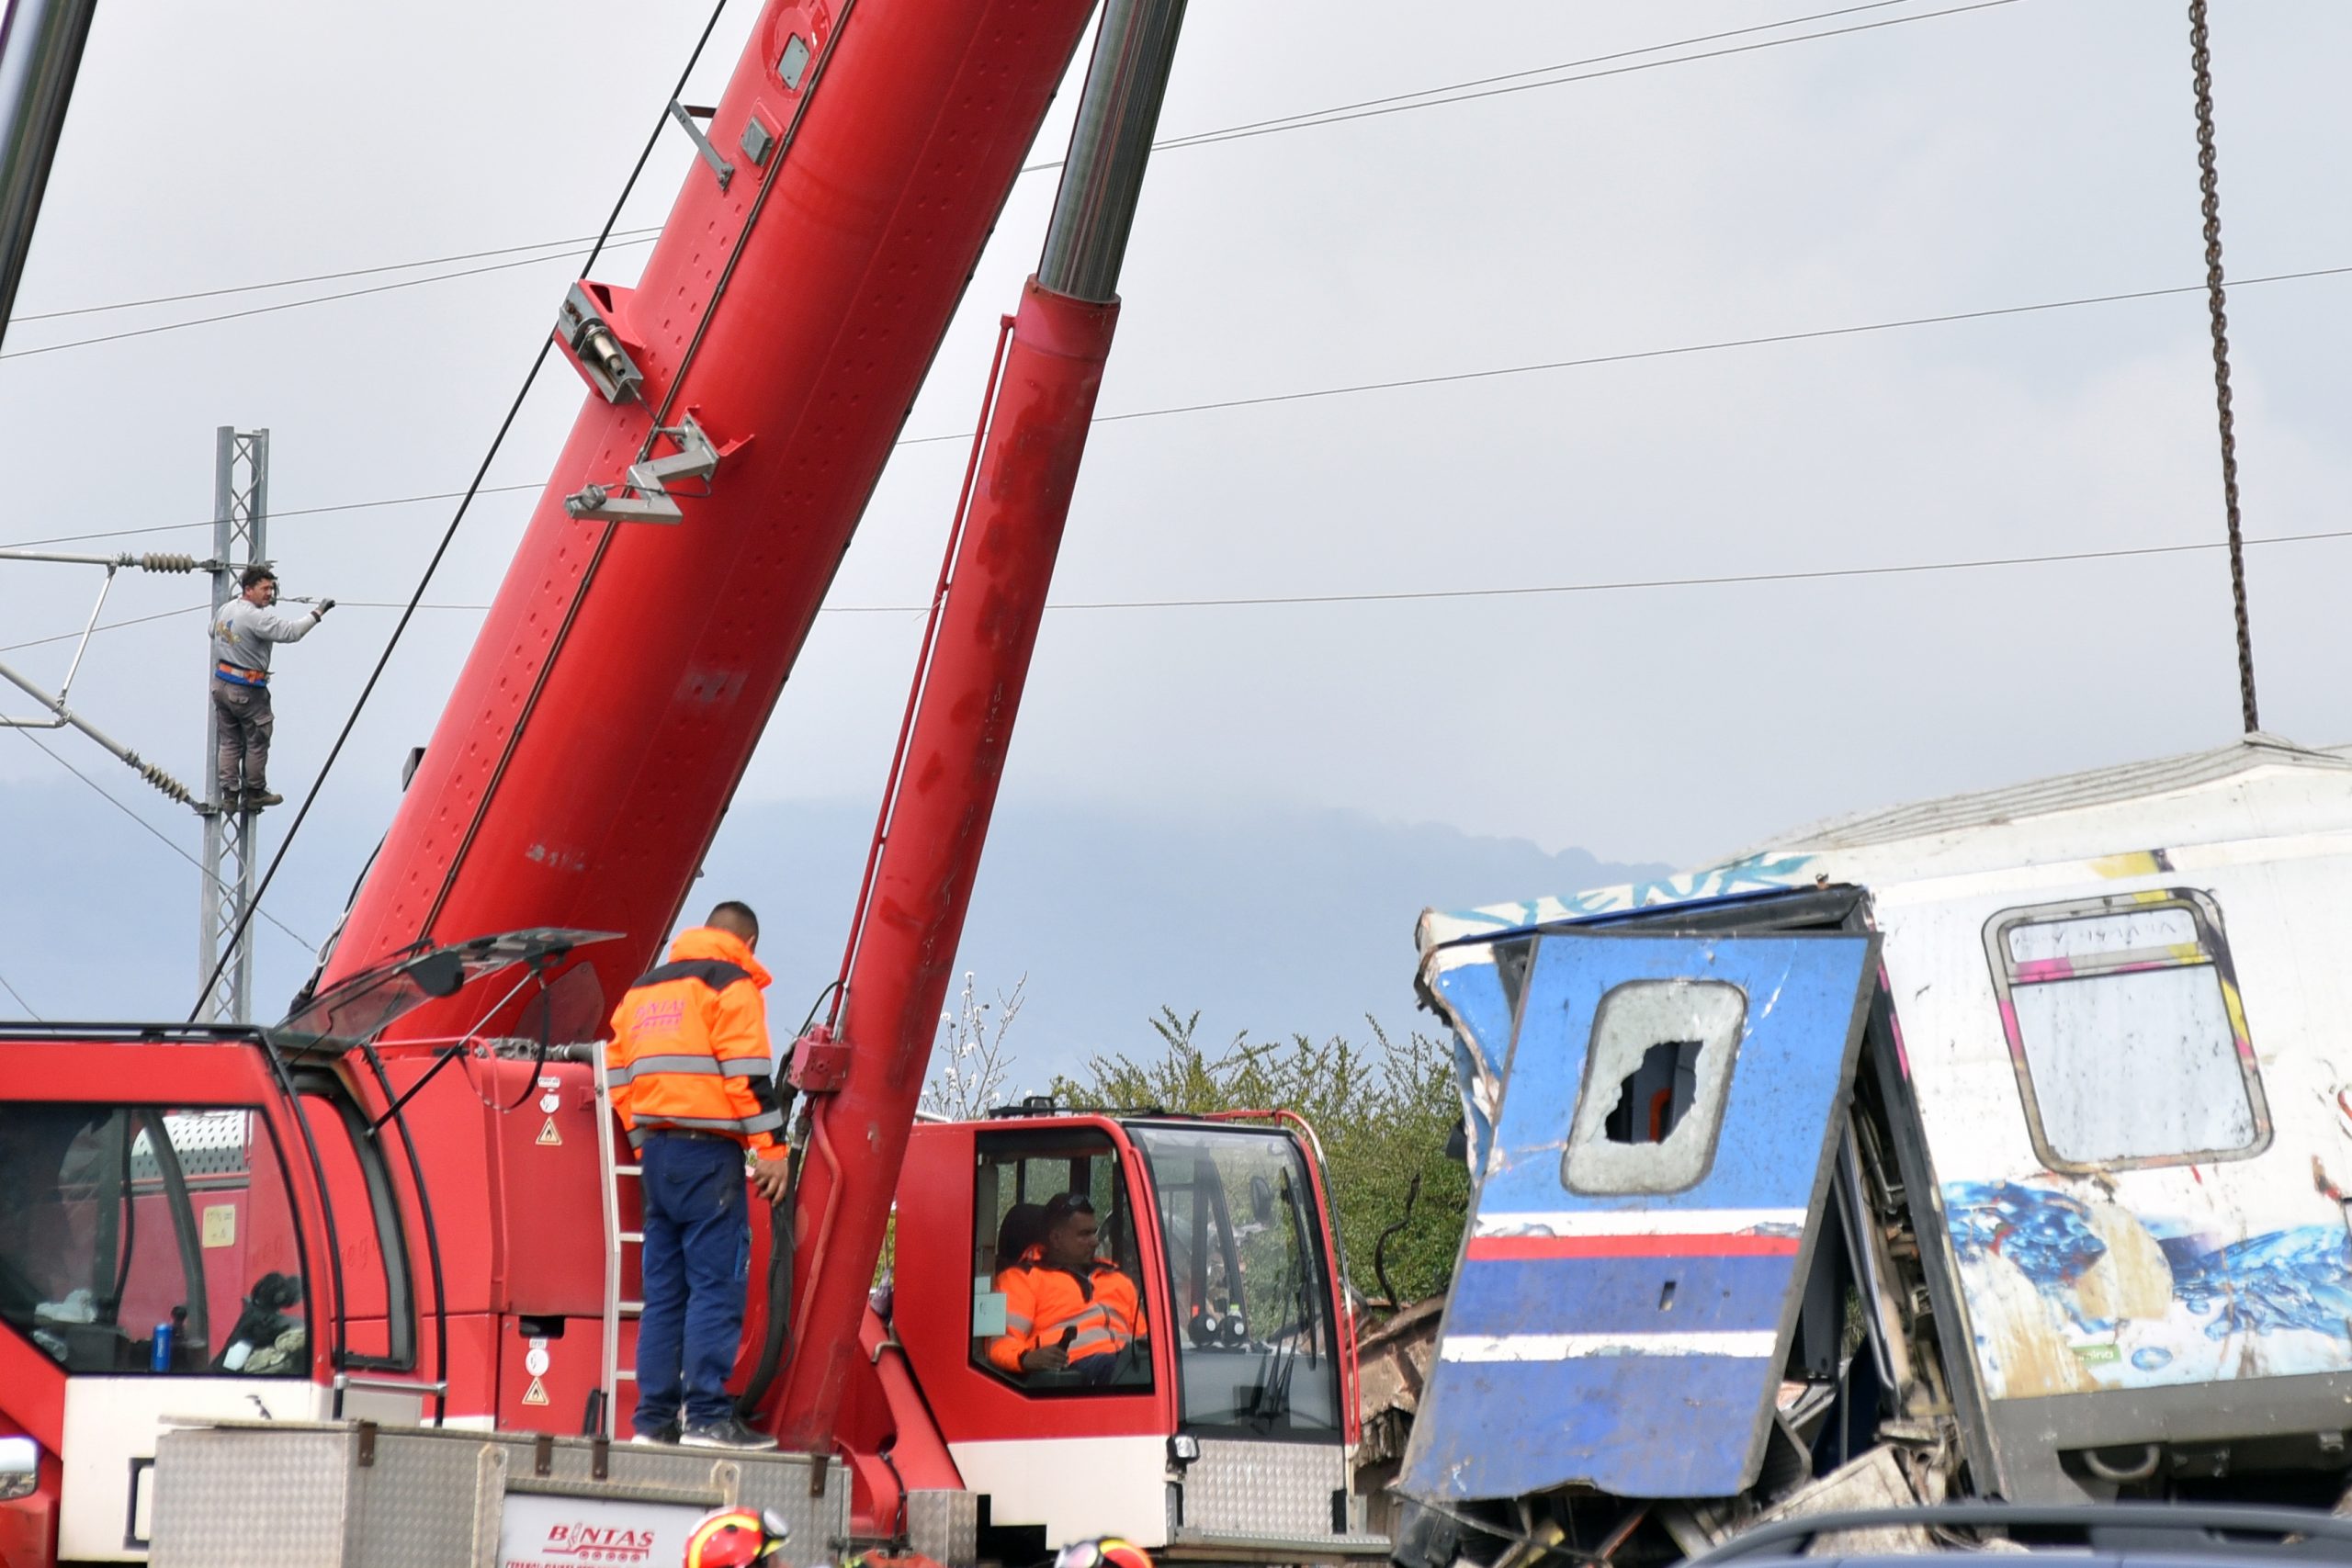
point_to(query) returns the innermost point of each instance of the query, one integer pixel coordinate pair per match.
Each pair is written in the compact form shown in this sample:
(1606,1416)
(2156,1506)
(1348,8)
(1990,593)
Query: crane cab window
(146,1240)
(1057,1292)
(370,1265)
(1249,1285)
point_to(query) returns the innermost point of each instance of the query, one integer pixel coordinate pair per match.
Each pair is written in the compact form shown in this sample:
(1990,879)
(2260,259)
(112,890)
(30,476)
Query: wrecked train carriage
(1991,1145)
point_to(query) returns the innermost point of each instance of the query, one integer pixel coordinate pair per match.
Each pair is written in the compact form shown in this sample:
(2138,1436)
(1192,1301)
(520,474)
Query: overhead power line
(276,513)
(1458,93)
(1286,119)
(1427,98)
(1764,340)
(160,836)
(297,304)
(20,1000)
(104,626)
(1404,595)
(1631,355)
(327,277)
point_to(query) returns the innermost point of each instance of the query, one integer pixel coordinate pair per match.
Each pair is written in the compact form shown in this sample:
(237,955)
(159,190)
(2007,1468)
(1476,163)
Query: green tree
(1383,1111)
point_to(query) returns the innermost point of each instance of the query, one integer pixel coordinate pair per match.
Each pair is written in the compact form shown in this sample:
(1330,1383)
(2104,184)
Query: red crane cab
(1228,1425)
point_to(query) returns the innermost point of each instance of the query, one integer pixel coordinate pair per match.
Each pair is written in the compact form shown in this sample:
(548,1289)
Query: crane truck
(356,1288)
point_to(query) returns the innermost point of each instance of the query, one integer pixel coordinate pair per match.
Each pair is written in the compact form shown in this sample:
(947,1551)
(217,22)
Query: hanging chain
(2209,182)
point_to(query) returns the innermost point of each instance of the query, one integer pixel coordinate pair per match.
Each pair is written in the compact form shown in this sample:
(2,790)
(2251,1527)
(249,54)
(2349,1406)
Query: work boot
(726,1433)
(255,799)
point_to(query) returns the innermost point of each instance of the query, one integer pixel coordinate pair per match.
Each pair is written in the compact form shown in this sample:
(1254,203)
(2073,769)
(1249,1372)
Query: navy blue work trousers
(697,1253)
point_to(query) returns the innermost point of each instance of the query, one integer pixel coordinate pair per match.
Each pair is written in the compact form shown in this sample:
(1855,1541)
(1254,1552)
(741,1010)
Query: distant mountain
(1273,919)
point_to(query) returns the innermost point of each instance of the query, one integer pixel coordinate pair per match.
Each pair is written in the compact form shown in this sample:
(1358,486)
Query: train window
(147,1240)
(2127,1032)
(1056,1301)
(1656,1076)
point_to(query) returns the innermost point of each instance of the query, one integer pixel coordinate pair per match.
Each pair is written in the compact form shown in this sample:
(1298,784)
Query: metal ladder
(611,1374)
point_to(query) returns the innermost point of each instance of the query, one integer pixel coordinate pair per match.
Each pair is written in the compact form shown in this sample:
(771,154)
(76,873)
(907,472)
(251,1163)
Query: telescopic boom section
(744,397)
(935,823)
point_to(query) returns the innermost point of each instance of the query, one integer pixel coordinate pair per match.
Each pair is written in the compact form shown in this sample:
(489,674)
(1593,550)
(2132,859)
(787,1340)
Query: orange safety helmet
(1110,1551)
(734,1537)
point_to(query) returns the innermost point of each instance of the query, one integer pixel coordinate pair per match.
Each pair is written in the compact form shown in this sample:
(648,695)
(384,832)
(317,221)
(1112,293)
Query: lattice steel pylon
(231,834)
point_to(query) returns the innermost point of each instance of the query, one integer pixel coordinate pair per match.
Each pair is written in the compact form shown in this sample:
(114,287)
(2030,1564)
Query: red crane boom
(782,326)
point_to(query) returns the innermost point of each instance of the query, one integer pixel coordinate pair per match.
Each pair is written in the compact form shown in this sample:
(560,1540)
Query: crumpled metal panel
(1469,990)
(1262,1491)
(288,1494)
(1630,1336)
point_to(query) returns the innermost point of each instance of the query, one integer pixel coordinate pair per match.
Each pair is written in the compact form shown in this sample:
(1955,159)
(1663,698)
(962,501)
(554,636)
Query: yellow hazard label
(548,1134)
(536,1393)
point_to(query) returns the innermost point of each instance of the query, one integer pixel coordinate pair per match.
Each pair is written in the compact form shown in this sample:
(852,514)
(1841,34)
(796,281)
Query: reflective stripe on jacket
(690,1047)
(1041,1302)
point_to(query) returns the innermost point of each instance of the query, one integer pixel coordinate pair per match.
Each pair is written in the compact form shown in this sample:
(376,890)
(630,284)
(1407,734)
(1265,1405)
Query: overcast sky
(1965,158)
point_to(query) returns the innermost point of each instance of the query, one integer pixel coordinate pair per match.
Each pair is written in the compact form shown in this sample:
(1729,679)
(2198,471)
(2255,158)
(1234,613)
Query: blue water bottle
(167,1337)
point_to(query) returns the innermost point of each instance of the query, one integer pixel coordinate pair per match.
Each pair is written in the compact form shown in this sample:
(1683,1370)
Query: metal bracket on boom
(696,458)
(719,165)
(583,326)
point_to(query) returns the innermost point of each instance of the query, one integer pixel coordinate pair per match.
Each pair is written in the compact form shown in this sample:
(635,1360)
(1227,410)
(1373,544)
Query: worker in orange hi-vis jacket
(1067,1309)
(693,1080)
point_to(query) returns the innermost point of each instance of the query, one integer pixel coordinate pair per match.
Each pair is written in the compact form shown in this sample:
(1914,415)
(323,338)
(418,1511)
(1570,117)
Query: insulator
(171,786)
(164,560)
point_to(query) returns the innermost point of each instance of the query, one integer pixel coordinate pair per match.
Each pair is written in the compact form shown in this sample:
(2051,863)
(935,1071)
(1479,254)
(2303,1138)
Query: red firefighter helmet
(734,1537)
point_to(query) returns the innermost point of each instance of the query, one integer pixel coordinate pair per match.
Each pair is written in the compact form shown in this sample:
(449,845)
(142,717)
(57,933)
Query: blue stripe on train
(1619,1295)
(1619,1423)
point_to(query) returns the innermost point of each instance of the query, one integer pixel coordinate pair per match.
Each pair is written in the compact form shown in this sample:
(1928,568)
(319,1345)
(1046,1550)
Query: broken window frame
(1701,1115)
(2210,950)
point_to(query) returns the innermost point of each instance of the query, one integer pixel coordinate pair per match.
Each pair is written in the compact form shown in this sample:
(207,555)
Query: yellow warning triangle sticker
(536,1393)
(548,1134)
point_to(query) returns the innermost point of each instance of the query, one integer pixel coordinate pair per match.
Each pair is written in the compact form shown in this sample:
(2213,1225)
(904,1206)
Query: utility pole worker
(242,635)
(693,1080)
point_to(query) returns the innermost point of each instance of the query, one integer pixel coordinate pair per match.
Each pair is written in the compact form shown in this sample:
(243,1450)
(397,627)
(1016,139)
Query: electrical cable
(1285,119)
(1343,114)
(1763,341)
(1806,574)
(1631,355)
(338,276)
(164,838)
(1430,97)
(297,304)
(449,534)
(1402,595)
(106,627)
(1621,585)
(20,1000)
(275,515)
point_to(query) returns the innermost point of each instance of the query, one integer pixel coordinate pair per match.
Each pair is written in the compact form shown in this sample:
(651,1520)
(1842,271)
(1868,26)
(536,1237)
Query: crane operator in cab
(1066,1309)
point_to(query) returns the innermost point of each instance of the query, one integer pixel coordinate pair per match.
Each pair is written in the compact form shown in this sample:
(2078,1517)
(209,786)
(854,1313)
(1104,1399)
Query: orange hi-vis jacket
(690,1047)
(1043,1303)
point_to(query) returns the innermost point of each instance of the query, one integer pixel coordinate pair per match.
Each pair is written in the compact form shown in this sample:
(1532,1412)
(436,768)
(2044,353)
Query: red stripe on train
(1530,1248)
